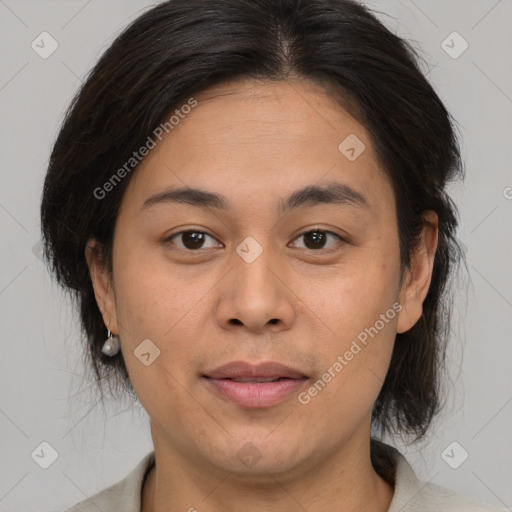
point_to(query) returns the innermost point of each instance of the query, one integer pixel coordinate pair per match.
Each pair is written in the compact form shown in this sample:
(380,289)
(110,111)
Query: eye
(315,239)
(190,239)
(194,240)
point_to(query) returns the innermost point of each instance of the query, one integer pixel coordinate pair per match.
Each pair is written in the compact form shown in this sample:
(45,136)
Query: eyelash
(342,241)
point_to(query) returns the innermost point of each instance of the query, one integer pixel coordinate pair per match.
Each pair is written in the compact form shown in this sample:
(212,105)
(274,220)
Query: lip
(243,369)
(251,393)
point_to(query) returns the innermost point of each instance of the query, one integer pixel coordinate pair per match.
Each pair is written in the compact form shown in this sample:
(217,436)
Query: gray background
(44,396)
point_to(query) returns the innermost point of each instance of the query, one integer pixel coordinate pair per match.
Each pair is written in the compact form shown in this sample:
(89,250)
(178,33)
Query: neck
(345,478)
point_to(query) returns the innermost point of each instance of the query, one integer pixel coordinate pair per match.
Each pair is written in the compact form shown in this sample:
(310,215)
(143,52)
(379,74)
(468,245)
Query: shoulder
(413,495)
(433,497)
(124,495)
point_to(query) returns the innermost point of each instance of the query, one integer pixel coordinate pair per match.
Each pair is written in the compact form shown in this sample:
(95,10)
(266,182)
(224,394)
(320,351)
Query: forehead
(257,139)
(269,112)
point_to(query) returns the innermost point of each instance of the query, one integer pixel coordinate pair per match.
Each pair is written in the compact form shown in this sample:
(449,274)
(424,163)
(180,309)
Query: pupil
(197,239)
(316,236)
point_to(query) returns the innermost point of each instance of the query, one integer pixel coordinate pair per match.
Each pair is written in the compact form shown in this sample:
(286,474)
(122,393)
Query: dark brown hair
(182,47)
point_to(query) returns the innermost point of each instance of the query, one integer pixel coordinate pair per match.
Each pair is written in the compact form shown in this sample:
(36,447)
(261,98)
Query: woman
(248,200)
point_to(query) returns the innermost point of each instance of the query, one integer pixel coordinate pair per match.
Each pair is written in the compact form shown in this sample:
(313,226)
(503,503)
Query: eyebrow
(329,193)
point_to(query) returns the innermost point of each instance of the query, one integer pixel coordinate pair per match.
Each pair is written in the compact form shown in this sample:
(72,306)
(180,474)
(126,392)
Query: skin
(256,142)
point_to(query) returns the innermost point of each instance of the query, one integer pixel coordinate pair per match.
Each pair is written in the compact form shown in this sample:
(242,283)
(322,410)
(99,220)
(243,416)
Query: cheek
(359,312)
(156,301)
(353,376)
(153,297)
(351,296)
(153,305)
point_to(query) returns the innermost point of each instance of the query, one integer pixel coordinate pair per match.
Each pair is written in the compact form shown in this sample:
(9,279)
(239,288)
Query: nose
(255,294)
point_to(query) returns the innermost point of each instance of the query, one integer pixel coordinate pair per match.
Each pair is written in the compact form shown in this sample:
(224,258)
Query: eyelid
(168,238)
(342,240)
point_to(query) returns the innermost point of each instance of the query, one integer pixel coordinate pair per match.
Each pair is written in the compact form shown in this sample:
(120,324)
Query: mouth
(255,386)
(257,379)
(268,370)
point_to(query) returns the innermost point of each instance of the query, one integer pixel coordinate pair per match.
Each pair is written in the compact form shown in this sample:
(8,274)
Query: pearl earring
(112,345)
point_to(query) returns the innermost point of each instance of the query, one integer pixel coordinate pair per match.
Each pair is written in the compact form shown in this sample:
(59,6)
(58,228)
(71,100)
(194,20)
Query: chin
(259,454)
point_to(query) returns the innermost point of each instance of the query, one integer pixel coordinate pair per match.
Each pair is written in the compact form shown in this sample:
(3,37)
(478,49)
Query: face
(311,283)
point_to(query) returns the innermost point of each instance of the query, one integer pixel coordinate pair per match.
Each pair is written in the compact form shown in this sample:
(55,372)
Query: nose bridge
(257,294)
(254,295)
(255,260)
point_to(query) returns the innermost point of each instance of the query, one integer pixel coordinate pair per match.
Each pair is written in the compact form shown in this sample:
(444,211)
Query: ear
(418,277)
(102,284)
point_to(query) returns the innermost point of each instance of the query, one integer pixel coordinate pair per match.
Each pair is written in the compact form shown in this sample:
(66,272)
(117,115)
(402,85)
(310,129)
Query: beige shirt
(411,494)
